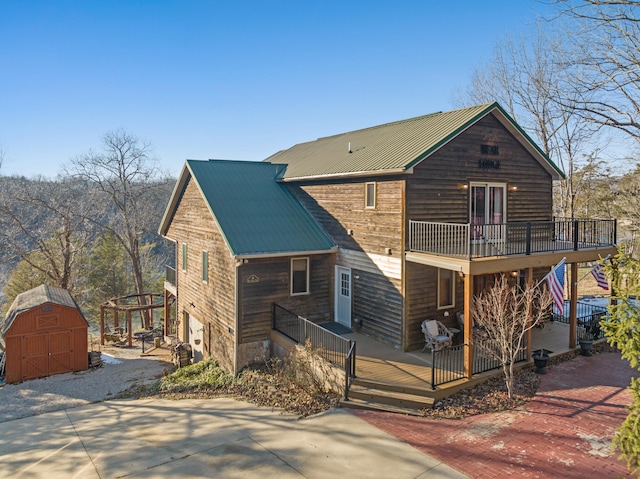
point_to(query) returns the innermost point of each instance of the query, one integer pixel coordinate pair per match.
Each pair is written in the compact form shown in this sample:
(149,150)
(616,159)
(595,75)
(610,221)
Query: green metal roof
(35,297)
(256,215)
(393,147)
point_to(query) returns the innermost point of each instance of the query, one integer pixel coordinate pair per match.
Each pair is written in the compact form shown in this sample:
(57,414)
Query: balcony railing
(170,275)
(482,240)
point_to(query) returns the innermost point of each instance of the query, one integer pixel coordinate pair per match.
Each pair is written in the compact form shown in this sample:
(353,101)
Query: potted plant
(592,331)
(540,358)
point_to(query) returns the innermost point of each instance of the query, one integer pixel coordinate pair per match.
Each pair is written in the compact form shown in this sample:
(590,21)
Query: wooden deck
(382,363)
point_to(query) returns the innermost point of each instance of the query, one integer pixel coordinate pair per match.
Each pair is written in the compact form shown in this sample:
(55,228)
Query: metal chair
(436,335)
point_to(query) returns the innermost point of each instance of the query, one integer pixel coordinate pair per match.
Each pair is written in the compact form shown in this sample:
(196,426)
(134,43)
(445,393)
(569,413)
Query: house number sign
(490,164)
(253,279)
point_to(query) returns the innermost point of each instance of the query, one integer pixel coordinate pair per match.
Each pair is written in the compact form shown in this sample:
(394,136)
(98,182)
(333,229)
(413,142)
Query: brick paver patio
(566,431)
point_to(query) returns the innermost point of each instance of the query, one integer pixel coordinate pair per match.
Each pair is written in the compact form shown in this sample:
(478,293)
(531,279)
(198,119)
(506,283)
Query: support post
(573,301)
(102,325)
(166,313)
(468,326)
(529,280)
(130,332)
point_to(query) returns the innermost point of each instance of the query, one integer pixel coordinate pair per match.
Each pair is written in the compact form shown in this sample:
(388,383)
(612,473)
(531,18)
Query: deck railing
(588,318)
(483,240)
(448,363)
(484,355)
(330,346)
(170,275)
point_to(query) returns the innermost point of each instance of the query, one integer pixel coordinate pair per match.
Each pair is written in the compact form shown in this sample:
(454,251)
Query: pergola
(124,304)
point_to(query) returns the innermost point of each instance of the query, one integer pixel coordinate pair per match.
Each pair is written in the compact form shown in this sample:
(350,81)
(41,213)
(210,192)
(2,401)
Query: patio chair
(436,335)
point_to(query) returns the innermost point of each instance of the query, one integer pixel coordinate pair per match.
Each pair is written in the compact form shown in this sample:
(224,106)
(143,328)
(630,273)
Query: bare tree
(42,225)
(506,313)
(127,178)
(524,76)
(604,56)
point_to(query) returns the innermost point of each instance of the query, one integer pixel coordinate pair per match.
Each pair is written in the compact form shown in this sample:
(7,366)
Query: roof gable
(393,148)
(255,214)
(36,297)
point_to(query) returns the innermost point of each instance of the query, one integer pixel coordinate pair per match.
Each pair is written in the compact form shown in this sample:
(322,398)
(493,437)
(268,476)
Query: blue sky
(230,79)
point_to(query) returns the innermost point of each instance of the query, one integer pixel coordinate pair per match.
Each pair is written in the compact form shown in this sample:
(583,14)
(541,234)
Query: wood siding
(435,192)
(422,297)
(371,244)
(213,302)
(340,210)
(263,282)
(41,342)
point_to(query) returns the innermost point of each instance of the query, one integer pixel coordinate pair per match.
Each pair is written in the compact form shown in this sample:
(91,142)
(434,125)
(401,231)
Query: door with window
(196,336)
(343,296)
(488,212)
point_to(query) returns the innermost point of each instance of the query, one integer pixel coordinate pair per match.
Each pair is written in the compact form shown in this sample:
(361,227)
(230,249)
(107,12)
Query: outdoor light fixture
(513,188)
(465,186)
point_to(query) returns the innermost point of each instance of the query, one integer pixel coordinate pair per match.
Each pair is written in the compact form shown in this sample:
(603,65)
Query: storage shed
(44,333)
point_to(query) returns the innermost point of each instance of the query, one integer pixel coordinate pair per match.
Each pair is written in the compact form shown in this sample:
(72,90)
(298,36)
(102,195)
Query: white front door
(343,295)
(196,338)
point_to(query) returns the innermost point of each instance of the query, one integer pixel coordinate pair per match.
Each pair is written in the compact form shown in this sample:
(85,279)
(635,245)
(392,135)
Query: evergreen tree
(623,331)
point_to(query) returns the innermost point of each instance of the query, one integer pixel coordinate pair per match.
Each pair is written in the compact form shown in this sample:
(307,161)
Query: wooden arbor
(127,305)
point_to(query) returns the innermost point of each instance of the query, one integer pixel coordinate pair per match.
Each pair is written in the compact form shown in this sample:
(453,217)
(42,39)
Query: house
(44,333)
(376,229)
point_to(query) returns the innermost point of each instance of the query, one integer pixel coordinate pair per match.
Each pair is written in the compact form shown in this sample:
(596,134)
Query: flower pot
(586,345)
(540,360)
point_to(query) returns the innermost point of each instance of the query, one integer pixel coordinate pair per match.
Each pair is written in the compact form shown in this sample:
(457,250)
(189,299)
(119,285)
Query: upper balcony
(170,282)
(475,241)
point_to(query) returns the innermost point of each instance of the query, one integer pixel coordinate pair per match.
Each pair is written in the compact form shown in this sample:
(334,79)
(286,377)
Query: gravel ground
(123,368)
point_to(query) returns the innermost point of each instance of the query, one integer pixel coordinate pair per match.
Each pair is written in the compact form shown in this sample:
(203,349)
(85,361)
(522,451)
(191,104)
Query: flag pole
(589,272)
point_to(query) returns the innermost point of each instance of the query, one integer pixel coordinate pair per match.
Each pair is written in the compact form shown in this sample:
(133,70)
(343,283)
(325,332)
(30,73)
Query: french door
(488,211)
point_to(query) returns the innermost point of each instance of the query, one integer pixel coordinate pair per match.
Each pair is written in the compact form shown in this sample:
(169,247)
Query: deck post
(529,280)
(130,338)
(166,312)
(468,326)
(573,312)
(102,325)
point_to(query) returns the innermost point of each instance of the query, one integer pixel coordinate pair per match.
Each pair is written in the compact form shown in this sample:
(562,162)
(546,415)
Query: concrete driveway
(220,438)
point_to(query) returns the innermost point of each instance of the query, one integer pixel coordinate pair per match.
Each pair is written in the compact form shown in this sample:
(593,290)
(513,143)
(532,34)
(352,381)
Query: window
(184,256)
(205,266)
(370,195)
(299,276)
(446,288)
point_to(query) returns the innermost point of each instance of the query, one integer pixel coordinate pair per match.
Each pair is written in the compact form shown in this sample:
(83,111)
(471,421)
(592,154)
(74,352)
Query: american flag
(555,283)
(598,273)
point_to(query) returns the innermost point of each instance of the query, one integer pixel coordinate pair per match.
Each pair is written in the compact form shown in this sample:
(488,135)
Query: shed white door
(343,295)
(196,338)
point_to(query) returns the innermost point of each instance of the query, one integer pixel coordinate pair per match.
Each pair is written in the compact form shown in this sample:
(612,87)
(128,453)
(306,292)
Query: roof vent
(350,148)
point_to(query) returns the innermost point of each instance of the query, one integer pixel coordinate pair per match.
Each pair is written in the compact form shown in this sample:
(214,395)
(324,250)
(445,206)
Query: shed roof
(393,148)
(256,215)
(38,296)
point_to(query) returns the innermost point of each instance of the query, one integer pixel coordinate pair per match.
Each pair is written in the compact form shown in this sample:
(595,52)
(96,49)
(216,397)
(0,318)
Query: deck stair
(381,396)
